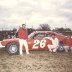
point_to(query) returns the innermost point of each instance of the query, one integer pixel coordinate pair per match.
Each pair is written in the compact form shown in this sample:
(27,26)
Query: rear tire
(61,47)
(12,48)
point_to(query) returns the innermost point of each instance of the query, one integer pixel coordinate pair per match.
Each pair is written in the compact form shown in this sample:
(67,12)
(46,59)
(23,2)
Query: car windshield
(30,35)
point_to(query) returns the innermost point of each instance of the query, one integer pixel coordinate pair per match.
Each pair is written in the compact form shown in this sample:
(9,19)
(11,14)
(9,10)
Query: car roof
(43,31)
(49,32)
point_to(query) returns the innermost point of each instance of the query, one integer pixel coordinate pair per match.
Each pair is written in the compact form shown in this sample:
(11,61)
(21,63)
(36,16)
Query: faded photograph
(35,36)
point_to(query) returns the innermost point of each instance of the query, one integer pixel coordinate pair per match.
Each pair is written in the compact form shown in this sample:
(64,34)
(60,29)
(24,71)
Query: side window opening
(39,35)
(48,35)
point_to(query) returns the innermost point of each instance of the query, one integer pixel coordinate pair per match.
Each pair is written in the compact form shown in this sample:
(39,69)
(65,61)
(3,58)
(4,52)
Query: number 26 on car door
(42,44)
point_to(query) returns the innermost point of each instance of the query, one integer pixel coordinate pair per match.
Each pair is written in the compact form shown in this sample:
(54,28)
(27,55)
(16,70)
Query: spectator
(1,36)
(23,37)
(14,33)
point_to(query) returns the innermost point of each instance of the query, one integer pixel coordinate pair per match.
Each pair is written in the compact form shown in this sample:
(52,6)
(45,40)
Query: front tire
(12,48)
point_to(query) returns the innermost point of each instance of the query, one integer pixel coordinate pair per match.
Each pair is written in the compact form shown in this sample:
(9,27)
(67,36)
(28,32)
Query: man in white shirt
(55,43)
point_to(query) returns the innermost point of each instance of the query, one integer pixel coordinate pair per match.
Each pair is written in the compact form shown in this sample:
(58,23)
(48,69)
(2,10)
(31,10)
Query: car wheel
(61,47)
(12,48)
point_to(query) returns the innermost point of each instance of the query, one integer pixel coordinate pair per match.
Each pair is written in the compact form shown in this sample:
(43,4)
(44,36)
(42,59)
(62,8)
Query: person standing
(23,37)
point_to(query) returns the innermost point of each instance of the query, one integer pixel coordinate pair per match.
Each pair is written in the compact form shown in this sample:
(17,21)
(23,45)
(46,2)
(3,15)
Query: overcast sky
(56,13)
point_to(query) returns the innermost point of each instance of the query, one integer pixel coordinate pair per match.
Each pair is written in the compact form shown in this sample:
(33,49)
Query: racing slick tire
(61,47)
(12,48)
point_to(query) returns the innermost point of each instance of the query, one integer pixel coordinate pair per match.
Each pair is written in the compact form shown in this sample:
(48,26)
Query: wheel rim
(61,48)
(13,48)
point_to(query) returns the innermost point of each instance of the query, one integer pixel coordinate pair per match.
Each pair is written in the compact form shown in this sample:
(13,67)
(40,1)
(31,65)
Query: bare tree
(62,29)
(65,31)
(44,27)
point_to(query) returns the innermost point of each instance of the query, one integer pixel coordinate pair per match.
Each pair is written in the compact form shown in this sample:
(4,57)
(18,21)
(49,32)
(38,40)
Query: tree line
(46,27)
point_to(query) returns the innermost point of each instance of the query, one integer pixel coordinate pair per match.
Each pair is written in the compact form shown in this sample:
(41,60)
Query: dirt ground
(37,61)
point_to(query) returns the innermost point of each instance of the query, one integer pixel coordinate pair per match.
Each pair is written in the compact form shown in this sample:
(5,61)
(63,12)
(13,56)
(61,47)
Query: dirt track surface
(37,61)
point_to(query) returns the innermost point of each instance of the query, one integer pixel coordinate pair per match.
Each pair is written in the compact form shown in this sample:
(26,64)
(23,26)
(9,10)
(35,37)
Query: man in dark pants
(23,37)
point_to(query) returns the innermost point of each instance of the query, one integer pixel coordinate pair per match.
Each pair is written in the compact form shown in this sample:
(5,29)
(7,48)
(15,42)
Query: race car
(35,41)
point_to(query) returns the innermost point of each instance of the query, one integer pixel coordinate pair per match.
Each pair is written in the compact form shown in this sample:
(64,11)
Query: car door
(37,42)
